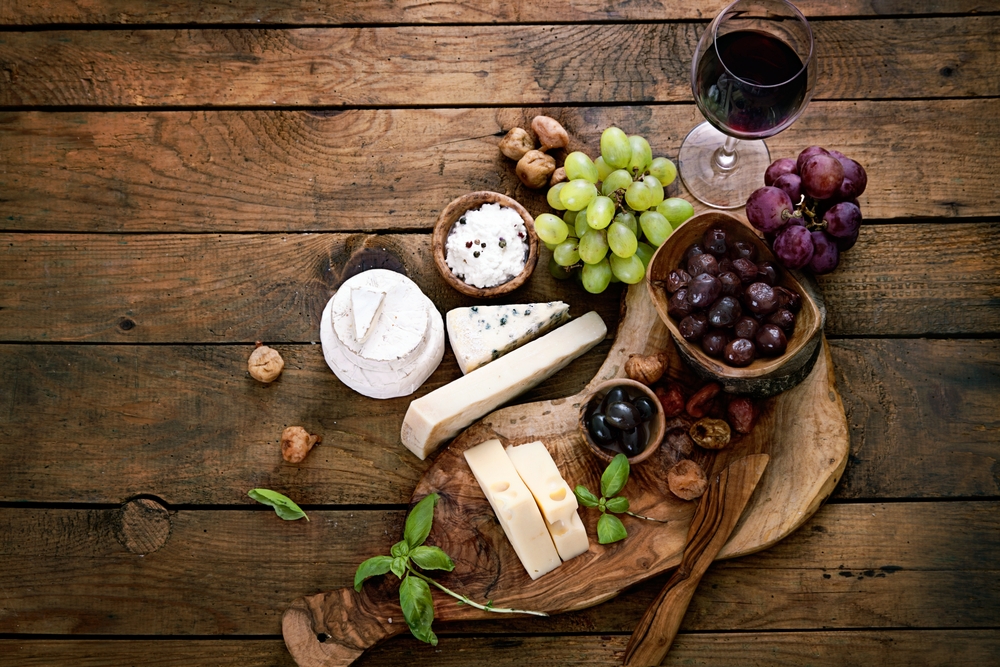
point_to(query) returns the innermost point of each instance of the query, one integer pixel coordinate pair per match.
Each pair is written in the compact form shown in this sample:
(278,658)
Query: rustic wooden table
(180,179)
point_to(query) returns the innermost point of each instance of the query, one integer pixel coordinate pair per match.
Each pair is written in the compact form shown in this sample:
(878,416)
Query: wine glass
(752,75)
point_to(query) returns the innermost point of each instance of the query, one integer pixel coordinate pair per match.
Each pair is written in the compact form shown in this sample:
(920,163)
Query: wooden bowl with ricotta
(481,250)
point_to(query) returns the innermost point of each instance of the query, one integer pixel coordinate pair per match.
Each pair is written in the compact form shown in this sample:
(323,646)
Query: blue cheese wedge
(481,334)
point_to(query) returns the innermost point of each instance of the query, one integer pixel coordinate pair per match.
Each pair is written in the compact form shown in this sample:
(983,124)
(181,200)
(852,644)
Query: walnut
(516,143)
(296,443)
(647,369)
(534,168)
(265,363)
(558,176)
(549,132)
(711,433)
(687,480)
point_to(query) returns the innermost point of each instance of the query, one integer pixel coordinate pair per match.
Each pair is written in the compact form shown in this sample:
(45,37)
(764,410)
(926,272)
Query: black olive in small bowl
(622,416)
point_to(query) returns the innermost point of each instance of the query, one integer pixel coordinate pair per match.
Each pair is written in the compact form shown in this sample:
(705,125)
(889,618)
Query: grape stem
(807,214)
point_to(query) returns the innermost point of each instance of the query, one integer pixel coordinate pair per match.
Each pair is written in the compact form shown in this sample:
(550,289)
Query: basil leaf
(418,608)
(610,529)
(432,558)
(615,475)
(398,566)
(400,548)
(617,504)
(371,568)
(418,523)
(283,505)
(586,498)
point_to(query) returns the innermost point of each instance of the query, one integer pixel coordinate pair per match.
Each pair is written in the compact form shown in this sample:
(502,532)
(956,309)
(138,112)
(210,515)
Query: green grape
(642,154)
(655,188)
(614,278)
(559,272)
(676,210)
(569,217)
(621,240)
(551,246)
(602,168)
(581,226)
(615,148)
(616,180)
(596,277)
(655,227)
(577,194)
(627,218)
(600,211)
(644,252)
(552,197)
(664,170)
(567,253)
(551,229)
(593,246)
(579,165)
(629,270)
(638,196)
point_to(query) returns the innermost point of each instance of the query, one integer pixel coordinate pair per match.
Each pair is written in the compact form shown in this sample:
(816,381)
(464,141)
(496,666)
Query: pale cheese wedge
(481,334)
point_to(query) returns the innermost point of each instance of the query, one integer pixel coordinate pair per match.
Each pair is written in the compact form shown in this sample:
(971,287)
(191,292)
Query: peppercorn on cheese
(514,506)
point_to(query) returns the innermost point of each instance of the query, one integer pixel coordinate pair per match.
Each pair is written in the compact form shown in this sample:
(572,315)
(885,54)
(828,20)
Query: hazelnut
(296,443)
(516,143)
(687,480)
(534,168)
(558,176)
(265,363)
(549,132)
(646,369)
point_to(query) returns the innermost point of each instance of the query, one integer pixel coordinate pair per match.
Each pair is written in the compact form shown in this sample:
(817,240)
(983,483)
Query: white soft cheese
(366,304)
(514,506)
(436,417)
(481,334)
(487,246)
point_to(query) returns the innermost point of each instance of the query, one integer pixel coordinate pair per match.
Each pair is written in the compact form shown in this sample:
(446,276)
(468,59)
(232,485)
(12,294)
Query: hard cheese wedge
(440,415)
(538,471)
(481,334)
(514,506)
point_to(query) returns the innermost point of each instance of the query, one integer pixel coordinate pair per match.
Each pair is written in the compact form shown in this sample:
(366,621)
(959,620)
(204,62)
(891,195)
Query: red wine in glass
(761,86)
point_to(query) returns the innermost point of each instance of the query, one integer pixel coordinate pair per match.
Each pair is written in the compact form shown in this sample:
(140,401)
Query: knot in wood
(143,526)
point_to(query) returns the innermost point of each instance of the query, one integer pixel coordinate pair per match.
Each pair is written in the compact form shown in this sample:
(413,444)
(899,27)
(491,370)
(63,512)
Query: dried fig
(672,400)
(534,168)
(742,414)
(687,480)
(550,132)
(700,404)
(516,143)
(558,176)
(680,443)
(711,433)
(265,363)
(646,369)
(296,443)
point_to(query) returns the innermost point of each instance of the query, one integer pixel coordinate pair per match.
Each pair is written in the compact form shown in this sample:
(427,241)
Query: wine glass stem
(725,156)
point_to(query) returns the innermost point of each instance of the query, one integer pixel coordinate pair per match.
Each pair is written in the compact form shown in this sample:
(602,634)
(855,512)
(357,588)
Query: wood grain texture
(465,65)
(371,170)
(897,565)
(887,648)
(347,12)
(112,421)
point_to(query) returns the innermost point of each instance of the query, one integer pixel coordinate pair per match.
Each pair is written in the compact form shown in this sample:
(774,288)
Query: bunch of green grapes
(614,214)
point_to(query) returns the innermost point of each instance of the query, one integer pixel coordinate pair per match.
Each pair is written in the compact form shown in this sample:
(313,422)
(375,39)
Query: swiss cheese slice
(435,418)
(514,506)
(481,334)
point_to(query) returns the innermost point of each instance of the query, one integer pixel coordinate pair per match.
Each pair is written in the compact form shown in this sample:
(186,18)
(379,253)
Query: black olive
(602,432)
(633,442)
(622,415)
(616,395)
(645,407)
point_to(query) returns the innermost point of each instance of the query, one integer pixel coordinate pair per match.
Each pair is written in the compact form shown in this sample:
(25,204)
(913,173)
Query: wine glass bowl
(752,75)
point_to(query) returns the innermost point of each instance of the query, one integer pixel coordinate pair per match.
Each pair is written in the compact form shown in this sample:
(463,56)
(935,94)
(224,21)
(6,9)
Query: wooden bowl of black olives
(622,416)
(738,317)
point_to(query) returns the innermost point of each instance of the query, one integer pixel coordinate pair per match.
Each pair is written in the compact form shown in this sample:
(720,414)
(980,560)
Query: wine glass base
(712,184)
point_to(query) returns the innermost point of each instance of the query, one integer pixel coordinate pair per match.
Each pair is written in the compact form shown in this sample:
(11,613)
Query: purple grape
(785,165)
(806,154)
(739,352)
(836,154)
(771,341)
(693,327)
(794,247)
(760,299)
(766,206)
(826,255)
(856,174)
(714,241)
(792,185)
(704,290)
(842,220)
(846,243)
(821,176)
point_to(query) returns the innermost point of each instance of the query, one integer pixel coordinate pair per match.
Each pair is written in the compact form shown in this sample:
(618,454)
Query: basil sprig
(414,587)
(609,527)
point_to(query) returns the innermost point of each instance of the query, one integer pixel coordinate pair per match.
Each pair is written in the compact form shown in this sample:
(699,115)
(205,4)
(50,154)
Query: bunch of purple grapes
(808,208)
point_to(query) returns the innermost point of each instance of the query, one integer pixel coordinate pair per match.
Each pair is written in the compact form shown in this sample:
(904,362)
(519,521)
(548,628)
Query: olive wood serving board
(803,430)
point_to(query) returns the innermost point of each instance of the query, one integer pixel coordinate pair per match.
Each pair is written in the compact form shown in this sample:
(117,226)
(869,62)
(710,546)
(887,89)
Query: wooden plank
(858,565)
(888,648)
(469,65)
(371,170)
(291,12)
(110,422)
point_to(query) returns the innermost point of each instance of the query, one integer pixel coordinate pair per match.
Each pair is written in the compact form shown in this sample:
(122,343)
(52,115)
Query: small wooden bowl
(450,215)
(765,376)
(657,426)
